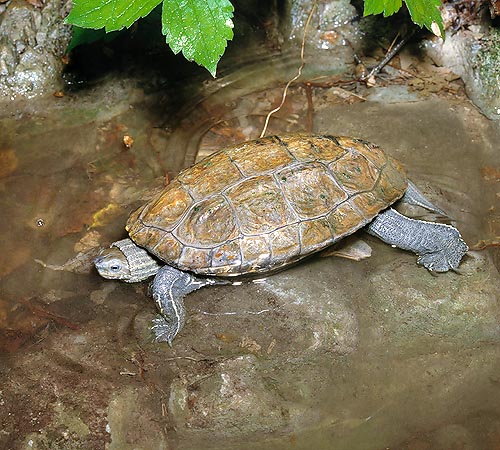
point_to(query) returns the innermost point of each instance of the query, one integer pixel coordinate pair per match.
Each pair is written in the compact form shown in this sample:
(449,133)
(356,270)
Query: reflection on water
(369,354)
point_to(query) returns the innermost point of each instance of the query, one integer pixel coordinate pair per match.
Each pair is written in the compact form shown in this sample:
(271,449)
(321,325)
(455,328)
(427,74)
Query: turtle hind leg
(439,247)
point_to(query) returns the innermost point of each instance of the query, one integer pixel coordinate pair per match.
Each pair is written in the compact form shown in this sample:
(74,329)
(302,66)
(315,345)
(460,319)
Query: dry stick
(393,42)
(389,55)
(299,71)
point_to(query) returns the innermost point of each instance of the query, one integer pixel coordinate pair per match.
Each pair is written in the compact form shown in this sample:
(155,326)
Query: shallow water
(329,354)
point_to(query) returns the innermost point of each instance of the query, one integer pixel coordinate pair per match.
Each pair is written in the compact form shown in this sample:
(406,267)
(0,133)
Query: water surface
(332,353)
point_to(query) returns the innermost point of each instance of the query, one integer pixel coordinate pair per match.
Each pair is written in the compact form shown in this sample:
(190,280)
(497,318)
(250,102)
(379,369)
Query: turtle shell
(267,203)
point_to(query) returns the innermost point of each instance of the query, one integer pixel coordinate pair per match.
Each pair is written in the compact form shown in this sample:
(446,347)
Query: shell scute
(310,189)
(285,244)
(167,248)
(227,257)
(145,236)
(371,152)
(315,234)
(355,173)
(345,219)
(317,148)
(210,222)
(256,252)
(259,204)
(262,155)
(369,204)
(165,210)
(393,181)
(193,258)
(210,176)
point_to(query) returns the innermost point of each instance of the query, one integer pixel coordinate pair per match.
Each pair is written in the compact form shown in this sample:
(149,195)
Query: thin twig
(393,42)
(299,71)
(389,55)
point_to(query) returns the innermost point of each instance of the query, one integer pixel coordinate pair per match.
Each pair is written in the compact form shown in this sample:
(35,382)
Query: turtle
(263,205)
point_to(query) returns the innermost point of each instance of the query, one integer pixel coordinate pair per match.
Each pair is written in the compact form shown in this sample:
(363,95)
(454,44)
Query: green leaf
(87,36)
(198,28)
(425,12)
(388,7)
(110,14)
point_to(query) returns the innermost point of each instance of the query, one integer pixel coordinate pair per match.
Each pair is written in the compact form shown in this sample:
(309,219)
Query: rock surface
(474,55)
(32,43)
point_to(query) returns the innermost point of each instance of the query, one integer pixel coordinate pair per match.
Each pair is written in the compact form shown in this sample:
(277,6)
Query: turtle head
(112,264)
(126,261)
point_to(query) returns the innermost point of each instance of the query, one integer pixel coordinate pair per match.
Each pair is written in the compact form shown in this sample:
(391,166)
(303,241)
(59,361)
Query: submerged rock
(233,398)
(413,323)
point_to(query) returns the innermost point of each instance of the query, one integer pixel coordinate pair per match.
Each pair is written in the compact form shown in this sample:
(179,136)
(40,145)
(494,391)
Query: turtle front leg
(439,247)
(168,289)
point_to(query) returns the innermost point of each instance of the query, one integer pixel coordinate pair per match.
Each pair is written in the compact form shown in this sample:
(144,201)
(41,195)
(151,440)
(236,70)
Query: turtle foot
(164,331)
(445,258)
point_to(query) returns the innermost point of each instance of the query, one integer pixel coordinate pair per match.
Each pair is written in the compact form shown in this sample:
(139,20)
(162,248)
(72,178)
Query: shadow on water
(329,354)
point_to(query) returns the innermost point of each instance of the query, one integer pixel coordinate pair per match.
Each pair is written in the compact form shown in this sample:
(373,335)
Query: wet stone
(128,411)
(33,40)
(472,53)
(8,162)
(234,398)
(448,312)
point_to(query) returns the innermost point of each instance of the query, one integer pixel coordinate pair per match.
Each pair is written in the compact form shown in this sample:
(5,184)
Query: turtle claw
(434,262)
(458,271)
(163,330)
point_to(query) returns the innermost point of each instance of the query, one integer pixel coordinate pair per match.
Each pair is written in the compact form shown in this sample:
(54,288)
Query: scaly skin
(168,289)
(439,247)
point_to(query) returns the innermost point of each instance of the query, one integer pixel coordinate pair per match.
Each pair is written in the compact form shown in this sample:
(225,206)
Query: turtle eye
(114,267)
